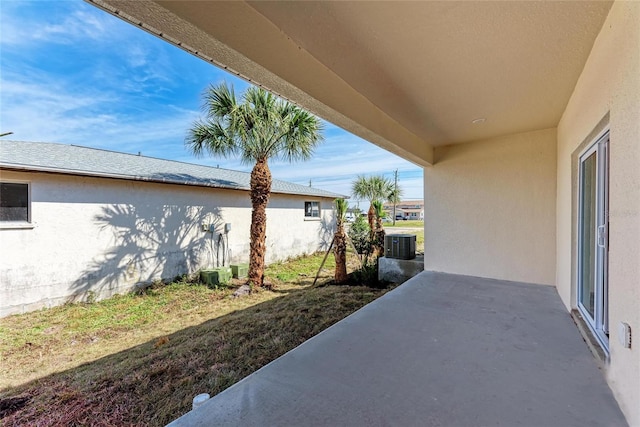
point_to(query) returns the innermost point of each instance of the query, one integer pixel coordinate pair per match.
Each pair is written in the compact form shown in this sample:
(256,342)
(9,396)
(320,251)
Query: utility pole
(395,195)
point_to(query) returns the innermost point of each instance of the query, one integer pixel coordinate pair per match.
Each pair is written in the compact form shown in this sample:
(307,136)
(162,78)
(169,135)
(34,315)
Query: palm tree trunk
(371,217)
(378,242)
(260,190)
(340,251)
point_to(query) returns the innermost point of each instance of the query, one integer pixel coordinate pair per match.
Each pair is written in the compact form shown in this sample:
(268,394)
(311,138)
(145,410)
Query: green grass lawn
(405,224)
(417,229)
(140,359)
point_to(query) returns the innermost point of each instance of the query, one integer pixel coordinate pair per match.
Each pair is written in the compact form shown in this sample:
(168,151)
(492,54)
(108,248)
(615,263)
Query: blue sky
(73,74)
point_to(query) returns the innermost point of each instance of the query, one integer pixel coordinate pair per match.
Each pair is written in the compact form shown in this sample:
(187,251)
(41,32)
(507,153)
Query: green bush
(360,235)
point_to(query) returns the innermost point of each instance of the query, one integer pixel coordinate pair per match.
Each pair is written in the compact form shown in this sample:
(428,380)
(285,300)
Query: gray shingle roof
(76,160)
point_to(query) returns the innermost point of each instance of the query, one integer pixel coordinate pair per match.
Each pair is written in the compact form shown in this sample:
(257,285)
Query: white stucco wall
(609,91)
(490,208)
(107,235)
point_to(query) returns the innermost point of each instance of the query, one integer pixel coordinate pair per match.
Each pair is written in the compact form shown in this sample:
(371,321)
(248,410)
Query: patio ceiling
(407,76)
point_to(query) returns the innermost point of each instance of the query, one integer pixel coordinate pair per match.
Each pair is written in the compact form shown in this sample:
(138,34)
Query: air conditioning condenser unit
(400,246)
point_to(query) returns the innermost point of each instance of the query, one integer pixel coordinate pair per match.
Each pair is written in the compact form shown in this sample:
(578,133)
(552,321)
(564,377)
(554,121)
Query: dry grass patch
(140,359)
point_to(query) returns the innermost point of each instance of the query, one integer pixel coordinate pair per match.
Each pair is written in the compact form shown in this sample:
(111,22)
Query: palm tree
(340,241)
(257,128)
(378,208)
(377,235)
(375,187)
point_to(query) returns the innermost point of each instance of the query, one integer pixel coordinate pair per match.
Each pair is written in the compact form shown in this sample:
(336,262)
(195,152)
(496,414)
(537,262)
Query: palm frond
(209,137)
(375,187)
(341,209)
(395,195)
(260,127)
(219,102)
(379,209)
(302,134)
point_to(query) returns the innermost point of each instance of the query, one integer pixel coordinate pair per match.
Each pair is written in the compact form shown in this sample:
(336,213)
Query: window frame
(311,217)
(19,224)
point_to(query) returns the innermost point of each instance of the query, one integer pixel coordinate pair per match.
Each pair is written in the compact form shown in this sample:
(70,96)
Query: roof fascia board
(268,58)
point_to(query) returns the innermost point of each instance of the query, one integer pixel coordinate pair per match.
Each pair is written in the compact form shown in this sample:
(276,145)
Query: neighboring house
(524,115)
(76,220)
(409,209)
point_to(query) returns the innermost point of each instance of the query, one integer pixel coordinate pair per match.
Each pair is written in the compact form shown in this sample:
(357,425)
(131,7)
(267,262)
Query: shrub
(360,235)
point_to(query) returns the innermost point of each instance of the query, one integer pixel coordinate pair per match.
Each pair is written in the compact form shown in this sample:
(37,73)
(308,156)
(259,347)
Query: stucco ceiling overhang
(407,76)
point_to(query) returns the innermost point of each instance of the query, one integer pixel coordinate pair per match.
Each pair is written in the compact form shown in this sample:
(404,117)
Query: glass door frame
(599,322)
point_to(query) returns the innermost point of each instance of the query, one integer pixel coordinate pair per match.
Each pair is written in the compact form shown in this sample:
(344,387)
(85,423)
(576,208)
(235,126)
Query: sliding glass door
(593,238)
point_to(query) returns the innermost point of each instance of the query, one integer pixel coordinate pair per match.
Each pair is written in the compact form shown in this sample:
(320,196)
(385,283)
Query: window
(14,202)
(312,209)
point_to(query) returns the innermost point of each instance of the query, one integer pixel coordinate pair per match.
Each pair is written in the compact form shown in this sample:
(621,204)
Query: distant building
(408,209)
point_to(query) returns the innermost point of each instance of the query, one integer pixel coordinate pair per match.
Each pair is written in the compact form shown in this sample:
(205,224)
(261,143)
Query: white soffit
(407,76)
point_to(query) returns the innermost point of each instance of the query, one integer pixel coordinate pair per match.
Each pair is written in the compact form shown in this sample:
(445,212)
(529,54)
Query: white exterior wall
(490,208)
(608,93)
(108,235)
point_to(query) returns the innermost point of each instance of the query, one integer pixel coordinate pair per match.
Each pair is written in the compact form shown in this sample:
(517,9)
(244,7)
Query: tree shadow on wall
(326,232)
(147,243)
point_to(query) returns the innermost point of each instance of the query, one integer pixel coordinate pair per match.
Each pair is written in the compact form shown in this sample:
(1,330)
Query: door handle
(602,236)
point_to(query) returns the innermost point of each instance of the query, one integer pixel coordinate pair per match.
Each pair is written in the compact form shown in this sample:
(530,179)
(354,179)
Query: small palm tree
(340,241)
(377,235)
(378,208)
(258,128)
(375,187)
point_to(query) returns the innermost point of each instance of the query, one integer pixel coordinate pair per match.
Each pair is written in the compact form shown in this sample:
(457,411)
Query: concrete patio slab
(440,350)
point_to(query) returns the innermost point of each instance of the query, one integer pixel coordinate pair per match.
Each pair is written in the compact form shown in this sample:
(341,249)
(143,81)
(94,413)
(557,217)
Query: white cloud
(54,111)
(64,23)
(79,25)
(137,56)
